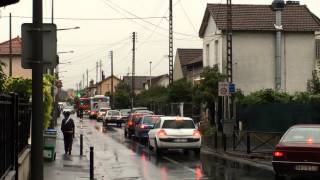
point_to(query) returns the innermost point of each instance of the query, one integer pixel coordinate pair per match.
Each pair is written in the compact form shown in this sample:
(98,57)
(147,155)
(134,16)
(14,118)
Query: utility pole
(133,67)
(87,78)
(150,75)
(112,94)
(10,45)
(83,81)
(100,70)
(170,43)
(97,67)
(37,94)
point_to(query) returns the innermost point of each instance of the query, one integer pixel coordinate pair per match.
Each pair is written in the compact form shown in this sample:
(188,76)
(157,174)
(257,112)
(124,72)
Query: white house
(254,44)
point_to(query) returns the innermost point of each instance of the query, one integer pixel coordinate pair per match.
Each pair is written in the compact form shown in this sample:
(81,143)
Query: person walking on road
(67,128)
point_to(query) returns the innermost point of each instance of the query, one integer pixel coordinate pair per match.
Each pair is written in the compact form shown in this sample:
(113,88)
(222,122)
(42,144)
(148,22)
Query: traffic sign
(224,89)
(232,88)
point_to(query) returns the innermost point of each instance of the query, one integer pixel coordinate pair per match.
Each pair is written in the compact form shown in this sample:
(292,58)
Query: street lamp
(65,52)
(68,62)
(65,29)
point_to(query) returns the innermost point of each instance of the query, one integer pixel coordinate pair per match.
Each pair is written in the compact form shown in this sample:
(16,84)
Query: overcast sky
(95,38)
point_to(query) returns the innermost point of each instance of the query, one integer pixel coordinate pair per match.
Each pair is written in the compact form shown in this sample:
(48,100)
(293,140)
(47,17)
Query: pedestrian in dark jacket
(67,128)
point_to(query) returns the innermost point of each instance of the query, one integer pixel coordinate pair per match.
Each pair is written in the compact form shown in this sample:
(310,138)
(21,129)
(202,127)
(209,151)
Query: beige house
(158,81)
(188,64)
(254,40)
(104,86)
(17,70)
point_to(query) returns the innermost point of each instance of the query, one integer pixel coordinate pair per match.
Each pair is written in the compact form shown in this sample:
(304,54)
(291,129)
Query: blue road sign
(232,88)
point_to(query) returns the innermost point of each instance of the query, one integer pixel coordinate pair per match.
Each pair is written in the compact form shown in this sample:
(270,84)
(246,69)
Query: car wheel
(149,145)
(158,150)
(279,177)
(197,151)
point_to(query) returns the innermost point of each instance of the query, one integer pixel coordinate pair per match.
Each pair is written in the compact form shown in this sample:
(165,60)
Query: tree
(180,91)
(19,85)
(2,76)
(155,94)
(206,92)
(314,83)
(122,96)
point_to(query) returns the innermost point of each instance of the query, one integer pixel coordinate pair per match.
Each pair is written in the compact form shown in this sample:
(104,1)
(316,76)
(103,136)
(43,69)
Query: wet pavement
(119,158)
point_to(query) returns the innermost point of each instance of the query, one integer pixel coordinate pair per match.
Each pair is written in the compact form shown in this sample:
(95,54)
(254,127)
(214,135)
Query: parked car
(102,113)
(69,109)
(298,152)
(112,116)
(125,114)
(144,125)
(133,119)
(174,133)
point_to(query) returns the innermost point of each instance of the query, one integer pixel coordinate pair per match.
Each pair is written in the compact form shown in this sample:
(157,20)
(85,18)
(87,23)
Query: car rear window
(178,124)
(303,134)
(103,110)
(114,113)
(150,120)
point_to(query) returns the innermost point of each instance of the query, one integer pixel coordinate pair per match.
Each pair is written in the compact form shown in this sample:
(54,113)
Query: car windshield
(302,134)
(114,113)
(144,112)
(178,124)
(103,110)
(150,120)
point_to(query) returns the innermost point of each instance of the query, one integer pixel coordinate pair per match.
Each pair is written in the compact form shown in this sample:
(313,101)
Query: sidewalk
(71,167)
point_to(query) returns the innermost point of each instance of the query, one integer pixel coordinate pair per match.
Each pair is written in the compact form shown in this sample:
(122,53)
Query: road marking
(176,162)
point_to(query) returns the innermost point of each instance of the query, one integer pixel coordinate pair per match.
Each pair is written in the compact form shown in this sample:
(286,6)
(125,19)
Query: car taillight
(162,133)
(142,126)
(278,154)
(130,123)
(196,134)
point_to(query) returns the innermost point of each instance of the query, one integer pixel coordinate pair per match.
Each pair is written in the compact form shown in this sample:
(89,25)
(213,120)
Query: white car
(102,112)
(113,116)
(174,133)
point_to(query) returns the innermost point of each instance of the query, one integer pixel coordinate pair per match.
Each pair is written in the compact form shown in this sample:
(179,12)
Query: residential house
(188,64)
(254,44)
(158,81)
(139,81)
(104,86)
(17,70)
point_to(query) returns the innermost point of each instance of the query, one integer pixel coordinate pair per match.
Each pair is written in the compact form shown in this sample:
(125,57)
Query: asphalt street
(119,158)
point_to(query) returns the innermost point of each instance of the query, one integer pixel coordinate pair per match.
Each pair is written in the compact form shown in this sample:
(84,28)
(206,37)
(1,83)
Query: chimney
(278,6)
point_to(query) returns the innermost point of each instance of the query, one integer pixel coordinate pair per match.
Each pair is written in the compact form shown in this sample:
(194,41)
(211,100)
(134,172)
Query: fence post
(81,145)
(91,164)
(216,140)
(15,131)
(248,143)
(224,140)
(234,141)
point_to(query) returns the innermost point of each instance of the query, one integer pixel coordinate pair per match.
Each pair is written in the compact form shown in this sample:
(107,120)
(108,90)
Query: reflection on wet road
(178,164)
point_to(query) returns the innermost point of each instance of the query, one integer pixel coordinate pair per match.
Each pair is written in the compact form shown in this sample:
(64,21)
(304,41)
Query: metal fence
(15,115)
(243,141)
(173,109)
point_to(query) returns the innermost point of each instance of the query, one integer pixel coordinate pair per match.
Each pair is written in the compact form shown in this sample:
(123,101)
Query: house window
(318,48)
(216,51)
(208,54)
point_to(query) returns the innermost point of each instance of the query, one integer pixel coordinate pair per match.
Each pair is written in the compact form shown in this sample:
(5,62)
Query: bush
(266,96)
(206,129)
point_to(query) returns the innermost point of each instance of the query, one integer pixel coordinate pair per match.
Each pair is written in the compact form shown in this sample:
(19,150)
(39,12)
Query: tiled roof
(295,18)
(139,81)
(16,47)
(187,56)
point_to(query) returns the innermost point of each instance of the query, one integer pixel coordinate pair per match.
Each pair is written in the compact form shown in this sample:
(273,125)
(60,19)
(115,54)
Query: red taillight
(310,140)
(162,133)
(196,134)
(142,126)
(278,154)
(130,123)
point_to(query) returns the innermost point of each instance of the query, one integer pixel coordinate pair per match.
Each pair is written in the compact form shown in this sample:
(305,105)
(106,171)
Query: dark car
(298,153)
(144,125)
(133,119)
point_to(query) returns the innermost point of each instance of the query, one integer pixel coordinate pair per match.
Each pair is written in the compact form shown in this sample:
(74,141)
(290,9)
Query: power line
(148,22)
(92,19)
(188,17)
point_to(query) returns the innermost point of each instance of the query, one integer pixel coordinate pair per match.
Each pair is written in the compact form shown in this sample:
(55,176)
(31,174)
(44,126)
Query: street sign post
(49,32)
(232,88)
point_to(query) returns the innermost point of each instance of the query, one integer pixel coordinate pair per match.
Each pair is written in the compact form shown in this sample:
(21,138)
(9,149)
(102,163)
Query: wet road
(119,158)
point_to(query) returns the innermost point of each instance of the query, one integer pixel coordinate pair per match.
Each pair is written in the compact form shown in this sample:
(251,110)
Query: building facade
(159,81)
(104,86)
(17,70)
(254,40)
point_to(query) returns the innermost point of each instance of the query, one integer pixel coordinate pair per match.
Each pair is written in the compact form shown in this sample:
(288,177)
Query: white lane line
(177,163)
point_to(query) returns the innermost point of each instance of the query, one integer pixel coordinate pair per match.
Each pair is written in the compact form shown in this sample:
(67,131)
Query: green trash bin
(49,145)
